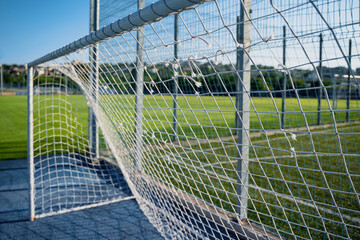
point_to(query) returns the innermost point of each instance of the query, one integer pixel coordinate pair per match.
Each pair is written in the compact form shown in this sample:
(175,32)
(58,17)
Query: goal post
(30,139)
(208,114)
(64,173)
(242,117)
(94,76)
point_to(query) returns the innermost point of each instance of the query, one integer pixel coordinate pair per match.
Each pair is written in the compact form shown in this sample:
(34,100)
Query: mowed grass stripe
(190,116)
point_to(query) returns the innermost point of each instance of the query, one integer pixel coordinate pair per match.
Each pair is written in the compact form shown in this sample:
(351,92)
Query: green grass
(13,124)
(208,170)
(13,117)
(194,174)
(12,127)
(195,122)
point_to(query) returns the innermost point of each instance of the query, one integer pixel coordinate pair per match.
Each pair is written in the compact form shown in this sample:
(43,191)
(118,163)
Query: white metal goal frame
(226,119)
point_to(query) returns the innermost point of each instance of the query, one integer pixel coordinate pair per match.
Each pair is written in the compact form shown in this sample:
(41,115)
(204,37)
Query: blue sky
(31,28)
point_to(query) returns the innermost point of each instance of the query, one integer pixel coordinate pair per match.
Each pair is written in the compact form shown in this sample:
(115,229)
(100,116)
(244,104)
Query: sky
(30,29)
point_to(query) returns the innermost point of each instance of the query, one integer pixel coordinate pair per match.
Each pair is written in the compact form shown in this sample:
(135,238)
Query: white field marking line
(252,144)
(234,161)
(223,147)
(234,145)
(198,142)
(256,134)
(255,159)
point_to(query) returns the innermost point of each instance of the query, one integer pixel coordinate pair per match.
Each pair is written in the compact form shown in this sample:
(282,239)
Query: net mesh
(67,175)
(227,138)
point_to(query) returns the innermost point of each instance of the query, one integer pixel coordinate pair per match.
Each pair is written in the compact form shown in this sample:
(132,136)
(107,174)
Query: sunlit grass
(317,173)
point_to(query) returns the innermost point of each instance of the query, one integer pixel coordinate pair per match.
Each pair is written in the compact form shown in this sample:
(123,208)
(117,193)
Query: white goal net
(66,173)
(224,119)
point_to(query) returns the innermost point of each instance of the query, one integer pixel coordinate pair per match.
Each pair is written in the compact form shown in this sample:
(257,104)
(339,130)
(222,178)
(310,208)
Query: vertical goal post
(243,105)
(30,139)
(94,77)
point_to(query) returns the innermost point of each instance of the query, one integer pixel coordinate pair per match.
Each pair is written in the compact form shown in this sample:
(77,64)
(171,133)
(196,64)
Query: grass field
(208,169)
(12,127)
(207,173)
(159,119)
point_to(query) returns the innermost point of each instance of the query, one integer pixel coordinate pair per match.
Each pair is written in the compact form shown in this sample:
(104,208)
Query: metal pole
(24,82)
(30,141)
(333,92)
(334,96)
(243,107)
(2,80)
(139,93)
(175,91)
(320,80)
(152,12)
(94,79)
(349,87)
(66,85)
(283,95)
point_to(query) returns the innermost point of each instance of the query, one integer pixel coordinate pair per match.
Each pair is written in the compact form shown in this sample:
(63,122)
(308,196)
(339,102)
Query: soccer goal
(224,119)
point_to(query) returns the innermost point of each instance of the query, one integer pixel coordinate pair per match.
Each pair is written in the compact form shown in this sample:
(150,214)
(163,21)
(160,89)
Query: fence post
(66,85)
(349,87)
(333,92)
(283,95)
(139,94)
(94,79)
(24,77)
(30,140)
(175,87)
(243,106)
(321,76)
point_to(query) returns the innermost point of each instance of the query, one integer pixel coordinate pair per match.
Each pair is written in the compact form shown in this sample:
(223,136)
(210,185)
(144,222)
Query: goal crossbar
(153,12)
